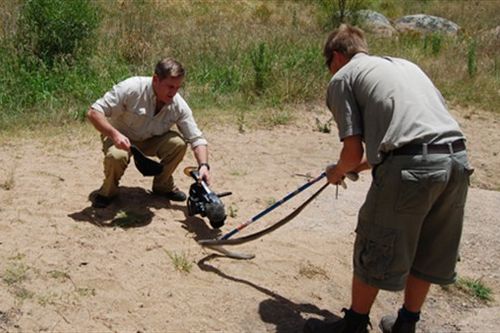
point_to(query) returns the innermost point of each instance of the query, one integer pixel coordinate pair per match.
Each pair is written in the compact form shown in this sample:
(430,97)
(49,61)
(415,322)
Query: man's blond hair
(347,40)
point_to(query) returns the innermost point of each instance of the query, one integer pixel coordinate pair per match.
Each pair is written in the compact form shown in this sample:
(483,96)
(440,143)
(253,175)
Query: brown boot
(174,195)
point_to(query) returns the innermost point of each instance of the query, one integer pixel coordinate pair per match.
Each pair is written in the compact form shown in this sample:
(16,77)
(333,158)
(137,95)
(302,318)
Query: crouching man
(141,111)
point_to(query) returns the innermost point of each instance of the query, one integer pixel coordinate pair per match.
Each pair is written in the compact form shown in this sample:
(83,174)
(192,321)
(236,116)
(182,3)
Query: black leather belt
(443,148)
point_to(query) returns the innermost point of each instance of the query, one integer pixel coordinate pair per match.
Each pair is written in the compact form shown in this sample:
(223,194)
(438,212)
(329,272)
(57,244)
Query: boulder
(376,23)
(426,24)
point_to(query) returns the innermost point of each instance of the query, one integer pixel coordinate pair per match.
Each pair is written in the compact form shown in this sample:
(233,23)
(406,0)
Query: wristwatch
(203,164)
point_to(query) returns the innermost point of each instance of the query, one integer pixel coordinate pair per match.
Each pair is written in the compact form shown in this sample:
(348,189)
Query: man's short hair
(347,40)
(169,67)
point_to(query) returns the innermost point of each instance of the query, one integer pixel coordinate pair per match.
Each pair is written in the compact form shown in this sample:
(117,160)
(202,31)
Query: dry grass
(215,41)
(312,271)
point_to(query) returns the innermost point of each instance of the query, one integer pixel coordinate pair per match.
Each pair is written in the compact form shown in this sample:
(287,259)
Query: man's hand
(98,119)
(351,160)
(201,155)
(120,141)
(333,175)
(204,173)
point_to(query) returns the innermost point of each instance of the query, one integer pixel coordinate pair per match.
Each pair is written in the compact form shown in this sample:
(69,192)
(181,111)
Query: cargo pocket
(414,196)
(374,250)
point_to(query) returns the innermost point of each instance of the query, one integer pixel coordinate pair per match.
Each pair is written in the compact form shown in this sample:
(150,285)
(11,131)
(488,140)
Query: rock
(426,24)
(376,23)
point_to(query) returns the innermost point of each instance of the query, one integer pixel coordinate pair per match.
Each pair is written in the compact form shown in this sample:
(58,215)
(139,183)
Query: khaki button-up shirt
(130,107)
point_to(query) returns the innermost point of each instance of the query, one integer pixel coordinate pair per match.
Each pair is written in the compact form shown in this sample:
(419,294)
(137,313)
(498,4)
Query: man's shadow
(278,310)
(130,209)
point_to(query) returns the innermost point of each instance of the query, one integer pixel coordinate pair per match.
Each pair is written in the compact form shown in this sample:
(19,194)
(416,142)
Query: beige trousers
(170,148)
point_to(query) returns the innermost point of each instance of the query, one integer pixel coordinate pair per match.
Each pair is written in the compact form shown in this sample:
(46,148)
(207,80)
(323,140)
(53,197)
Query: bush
(56,29)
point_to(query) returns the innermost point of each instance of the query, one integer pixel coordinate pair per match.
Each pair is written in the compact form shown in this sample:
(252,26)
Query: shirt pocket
(416,189)
(136,118)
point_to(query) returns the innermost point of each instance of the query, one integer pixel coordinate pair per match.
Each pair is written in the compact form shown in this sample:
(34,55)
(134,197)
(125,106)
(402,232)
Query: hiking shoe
(174,195)
(393,324)
(100,201)
(348,324)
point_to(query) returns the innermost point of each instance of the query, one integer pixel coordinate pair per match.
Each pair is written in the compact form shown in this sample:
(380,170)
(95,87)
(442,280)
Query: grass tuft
(9,183)
(181,261)
(311,271)
(475,288)
(15,274)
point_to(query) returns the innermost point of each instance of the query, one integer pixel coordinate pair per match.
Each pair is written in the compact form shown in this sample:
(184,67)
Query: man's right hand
(120,141)
(105,128)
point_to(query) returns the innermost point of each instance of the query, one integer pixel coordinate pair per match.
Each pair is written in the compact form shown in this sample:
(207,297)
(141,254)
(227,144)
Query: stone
(426,24)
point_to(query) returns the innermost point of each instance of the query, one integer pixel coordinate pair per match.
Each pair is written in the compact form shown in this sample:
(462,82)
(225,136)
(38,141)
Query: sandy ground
(66,267)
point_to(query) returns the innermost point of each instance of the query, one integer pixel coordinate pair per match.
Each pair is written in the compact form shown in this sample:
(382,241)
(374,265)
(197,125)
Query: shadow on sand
(130,209)
(278,310)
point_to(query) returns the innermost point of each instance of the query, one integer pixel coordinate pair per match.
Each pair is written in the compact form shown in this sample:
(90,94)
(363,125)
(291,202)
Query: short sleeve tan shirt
(390,102)
(130,108)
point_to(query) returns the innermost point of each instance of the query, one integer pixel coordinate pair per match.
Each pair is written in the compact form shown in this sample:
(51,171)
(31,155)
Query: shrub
(261,61)
(471,59)
(56,29)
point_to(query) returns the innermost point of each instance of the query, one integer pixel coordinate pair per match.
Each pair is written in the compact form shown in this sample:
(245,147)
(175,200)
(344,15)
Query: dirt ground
(136,265)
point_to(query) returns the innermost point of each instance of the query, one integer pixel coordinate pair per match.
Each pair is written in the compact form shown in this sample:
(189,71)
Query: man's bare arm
(98,119)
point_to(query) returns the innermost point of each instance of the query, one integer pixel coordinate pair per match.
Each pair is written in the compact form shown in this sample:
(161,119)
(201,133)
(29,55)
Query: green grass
(475,288)
(249,56)
(15,274)
(180,261)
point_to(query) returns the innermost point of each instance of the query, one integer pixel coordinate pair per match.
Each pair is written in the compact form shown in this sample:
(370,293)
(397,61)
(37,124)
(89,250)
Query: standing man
(410,224)
(142,111)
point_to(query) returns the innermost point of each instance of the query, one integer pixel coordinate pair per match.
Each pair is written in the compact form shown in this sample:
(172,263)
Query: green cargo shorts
(411,220)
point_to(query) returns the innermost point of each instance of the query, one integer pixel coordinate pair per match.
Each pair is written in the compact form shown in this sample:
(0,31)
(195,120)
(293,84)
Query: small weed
(86,291)
(279,117)
(23,293)
(261,61)
(58,275)
(436,41)
(472,59)
(241,121)
(475,288)
(233,211)
(238,173)
(270,202)
(180,261)
(311,271)
(324,127)
(15,274)
(9,183)
(48,299)
(17,256)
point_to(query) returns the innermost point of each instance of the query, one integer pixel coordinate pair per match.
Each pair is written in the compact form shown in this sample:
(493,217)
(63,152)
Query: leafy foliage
(56,29)
(242,58)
